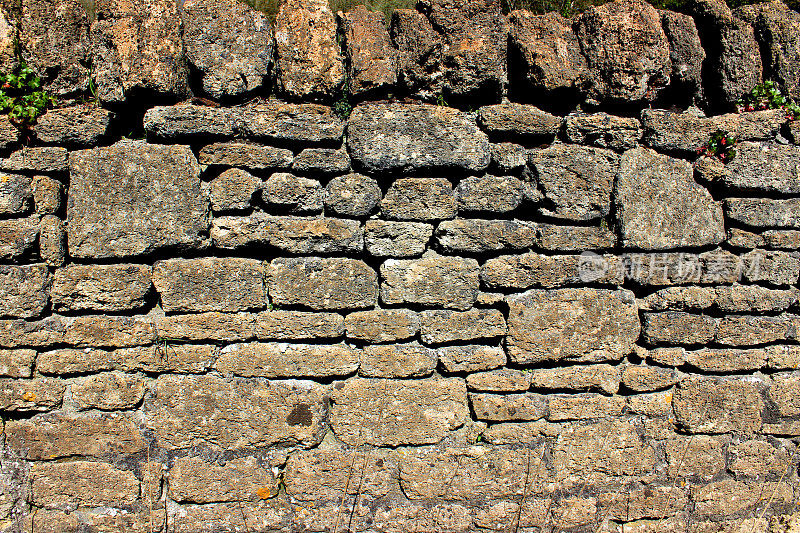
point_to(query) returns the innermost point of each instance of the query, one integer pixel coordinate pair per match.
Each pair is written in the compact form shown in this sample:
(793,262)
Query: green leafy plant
(22,96)
(768,95)
(721,145)
(343,106)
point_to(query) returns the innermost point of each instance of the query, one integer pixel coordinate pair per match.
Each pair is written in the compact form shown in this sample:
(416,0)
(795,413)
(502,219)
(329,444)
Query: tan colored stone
(745,330)
(16,363)
(729,496)
(52,241)
(269,515)
(657,404)
(23,290)
(783,357)
(212,326)
(281,360)
(419,199)
(392,412)
(605,378)
(520,432)
(642,378)
(550,271)
(679,299)
(385,238)
(503,380)
(727,360)
(81,483)
(508,407)
(382,325)
(17,237)
(323,283)
(471,358)
(156,358)
(193,479)
(185,411)
(101,287)
(708,405)
(754,299)
(647,502)
(397,361)
(297,325)
(297,194)
(583,406)
(113,390)
(24,333)
(785,392)
(447,326)
(674,327)
(702,456)
(371,56)
(60,434)
(433,280)
(575,238)
(481,236)
(667,356)
(758,458)
(38,394)
(110,331)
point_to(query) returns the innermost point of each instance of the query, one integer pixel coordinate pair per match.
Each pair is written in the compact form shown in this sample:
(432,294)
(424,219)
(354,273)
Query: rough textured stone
(137,48)
(686,54)
(764,212)
(726,360)
(673,327)
(50,159)
(229,43)
(21,333)
(706,405)
(433,280)
(605,378)
(52,241)
(210,284)
(730,496)
(603,130)
(292,193)
(9,134)
(707,453)
(419,58)
(234,189)
(109,331)
(588,325)
(113,390)
(626,50)
(280,360)
(439,327)
(508,407)
(322,161)
(185,121)
(575,238)
(396,239)
(309,62)
(101,287)
(771,239)
(47,195)
(473,236)
(504,380)
(419,199)
(371,59)
(80,125)
(583,406)
(213,326)
(323,283)
(390,412)
(536,270)
(547,52)
(7,38)
(397,361)
(82,483)
(89,434)
(642,378)
(758,457)
(297,325)
(162,357)
(413,138)
(744,330)
(278,121)
(192,479)
(514,121)
(660,206)
(576,180)
(772,267)
(291,234)
(246,155)
(785,391)
(23,290)
(353,195)
(153,200)
(764,167)
(382,325)
(497,194)
(681,268)
(471,358)
(16,363)
(38,394)
(237,413)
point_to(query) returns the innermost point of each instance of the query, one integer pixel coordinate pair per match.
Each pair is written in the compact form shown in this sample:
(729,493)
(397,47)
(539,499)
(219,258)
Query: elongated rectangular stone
(281,360)
(323,284)
(101,287)
(433,280)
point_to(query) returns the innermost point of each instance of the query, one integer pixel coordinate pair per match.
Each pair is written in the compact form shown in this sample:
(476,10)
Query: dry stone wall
(226,306)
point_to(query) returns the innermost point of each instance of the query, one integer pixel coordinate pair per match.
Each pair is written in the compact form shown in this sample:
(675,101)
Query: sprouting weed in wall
(22,96)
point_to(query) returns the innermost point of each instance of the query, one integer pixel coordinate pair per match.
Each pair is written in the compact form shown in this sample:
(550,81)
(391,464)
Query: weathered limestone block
(709,405)
(785,392)
(70,485)
(49,159)
(576,180)
(273,514)
(193,479)
(757,458)
(655,405)
(419,199)
(163,357)
(730,496)
(323,284)
(229,43)
(584,406)
(8,41)
(292,193)
(353,195)
(520,433)
(234,189)
(17,363)
(783,357)
(47,195)
(9,134)
(137,48)
(471,358)
(384,238)
(507,157)
(397,361)
(686,55)
(674,327)
(297,325)
(603,130)
(392,412)
(54,42)
(113,390)
(23,333)
(246,155)
(605,378)
(514,121)
(16,194)
(476,235)
(550,271)
(321,160)
(575,238)
(413,138)
(153,200)
(371,59)
(213,326)
(642,378)
(772,267)
(504,380)
(660,206)
(274,120)
(437,327)
(766,167)
(280,360)
(101,287)
(433,280)
(23,290)
(764,212)
(80,125)
(186,121)
(626,50)
(38,394)
(309,62)
(727,360)
(732,51)
(707,453)
(59,434)
(495,194)
(586,325)
(109,331)
(382,325)
(508,407)
(745,330)
(210,284)
(547,52)
(780,239)
(297,235)
(237,413)
(649,502)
